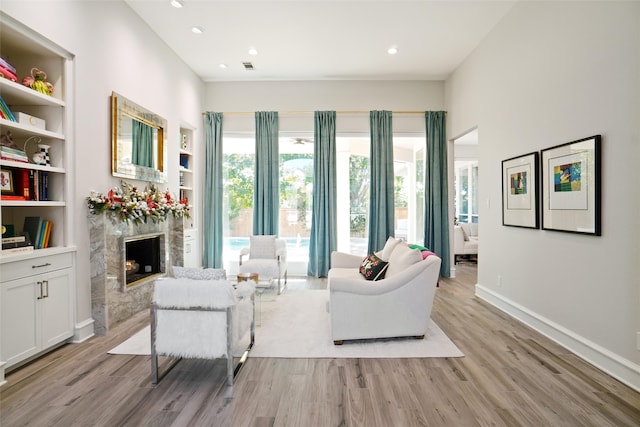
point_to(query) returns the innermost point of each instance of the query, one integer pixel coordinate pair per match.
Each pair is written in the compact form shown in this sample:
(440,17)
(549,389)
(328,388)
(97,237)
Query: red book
(11,197)
(25,183)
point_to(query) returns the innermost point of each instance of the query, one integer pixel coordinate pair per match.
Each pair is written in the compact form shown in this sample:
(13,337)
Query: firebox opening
(142,259)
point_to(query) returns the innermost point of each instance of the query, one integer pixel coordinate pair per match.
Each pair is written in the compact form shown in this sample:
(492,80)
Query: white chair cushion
(185,293)
(401,258)
(266,268)
(262,247)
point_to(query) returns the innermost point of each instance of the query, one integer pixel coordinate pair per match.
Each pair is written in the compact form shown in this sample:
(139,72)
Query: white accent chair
(268,258)
(397,306)
(201,319)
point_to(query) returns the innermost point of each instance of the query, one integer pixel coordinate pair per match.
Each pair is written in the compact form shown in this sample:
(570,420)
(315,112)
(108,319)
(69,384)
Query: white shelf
(16,94)
(33,203)
(22,130)
(22,165)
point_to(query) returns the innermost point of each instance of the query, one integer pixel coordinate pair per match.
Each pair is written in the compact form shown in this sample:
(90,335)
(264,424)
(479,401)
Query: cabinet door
(20,332)
(55,306)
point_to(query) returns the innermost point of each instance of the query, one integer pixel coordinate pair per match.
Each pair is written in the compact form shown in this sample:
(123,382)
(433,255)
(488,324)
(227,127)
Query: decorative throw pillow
(388,248)
(464,232)
(373,268)
(424,250)
(199,273)
(401,258)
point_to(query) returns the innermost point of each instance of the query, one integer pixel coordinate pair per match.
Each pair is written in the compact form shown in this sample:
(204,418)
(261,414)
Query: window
(296,198)
(466,187)
(238,170)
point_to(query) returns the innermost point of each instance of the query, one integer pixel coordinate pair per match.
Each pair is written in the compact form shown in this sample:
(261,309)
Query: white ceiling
(323,39)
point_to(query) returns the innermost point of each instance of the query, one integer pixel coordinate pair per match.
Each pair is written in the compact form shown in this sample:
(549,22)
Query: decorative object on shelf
(7,141)
(6,181)
(130,204)
(27,119)
(520,191)
(41,156)
(37,81)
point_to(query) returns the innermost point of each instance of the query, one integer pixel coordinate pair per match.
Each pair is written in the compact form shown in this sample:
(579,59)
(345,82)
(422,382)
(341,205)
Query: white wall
(550,73)
(291,98)
(114,51)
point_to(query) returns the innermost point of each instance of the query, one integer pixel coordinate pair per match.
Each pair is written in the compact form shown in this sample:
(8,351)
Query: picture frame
(520,191)
(571,186)
(7,181)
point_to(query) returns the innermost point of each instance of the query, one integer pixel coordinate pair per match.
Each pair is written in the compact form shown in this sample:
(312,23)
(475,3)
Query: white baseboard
(618,367)
(2,380)
(83,331)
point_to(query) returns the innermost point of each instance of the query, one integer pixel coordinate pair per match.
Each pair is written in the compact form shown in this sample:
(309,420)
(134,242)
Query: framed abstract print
(520,191)
(571,186)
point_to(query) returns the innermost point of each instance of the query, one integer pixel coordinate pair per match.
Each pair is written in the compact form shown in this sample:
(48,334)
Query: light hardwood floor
(510,376)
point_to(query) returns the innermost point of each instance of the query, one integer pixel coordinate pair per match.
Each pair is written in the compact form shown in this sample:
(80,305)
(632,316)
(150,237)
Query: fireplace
(144,258)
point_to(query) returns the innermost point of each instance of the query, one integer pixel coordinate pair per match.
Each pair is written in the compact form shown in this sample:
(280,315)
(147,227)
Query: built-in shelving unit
(37,288)
(187,170)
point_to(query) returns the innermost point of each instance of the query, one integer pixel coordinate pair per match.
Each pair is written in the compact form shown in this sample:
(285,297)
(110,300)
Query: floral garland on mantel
(130,204)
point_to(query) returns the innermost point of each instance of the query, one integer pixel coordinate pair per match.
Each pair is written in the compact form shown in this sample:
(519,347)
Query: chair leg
(419,337)
(338,342)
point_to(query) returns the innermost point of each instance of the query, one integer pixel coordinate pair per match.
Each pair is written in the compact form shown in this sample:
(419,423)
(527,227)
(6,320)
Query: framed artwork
(571,187)
(6,181)
(520,193)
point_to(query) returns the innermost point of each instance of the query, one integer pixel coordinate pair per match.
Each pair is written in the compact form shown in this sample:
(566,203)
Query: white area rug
(296,325)
(139,344)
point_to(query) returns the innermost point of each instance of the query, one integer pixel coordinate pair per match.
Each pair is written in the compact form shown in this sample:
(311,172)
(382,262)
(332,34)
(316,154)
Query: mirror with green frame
(137,141)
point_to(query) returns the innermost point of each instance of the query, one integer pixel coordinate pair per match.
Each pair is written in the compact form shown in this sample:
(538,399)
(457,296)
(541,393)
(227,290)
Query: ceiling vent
(248,66)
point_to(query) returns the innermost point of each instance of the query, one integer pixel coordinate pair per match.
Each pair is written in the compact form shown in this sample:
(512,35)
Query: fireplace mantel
(110,304)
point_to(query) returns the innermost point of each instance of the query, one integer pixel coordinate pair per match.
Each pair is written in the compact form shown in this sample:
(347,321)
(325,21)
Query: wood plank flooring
(510,376)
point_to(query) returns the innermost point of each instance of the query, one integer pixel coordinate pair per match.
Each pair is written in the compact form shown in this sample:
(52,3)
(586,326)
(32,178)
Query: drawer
(34,266)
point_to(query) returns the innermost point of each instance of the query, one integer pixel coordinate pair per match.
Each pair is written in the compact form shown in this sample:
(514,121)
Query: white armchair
(268,258)
(203,319)
(397,306)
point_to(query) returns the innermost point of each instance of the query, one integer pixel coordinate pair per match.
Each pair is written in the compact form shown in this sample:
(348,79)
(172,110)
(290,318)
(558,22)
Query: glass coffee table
(261,287)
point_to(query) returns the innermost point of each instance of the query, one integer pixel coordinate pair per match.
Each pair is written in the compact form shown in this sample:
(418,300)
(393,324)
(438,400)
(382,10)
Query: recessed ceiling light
(177,3)
(222,65)
(253,51)
(392,50)
(197,30)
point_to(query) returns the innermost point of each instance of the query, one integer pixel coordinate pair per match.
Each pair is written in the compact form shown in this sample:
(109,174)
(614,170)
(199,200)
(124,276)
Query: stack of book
(39,230)
(16,244)
(7,70)
(14,154)
(5,112)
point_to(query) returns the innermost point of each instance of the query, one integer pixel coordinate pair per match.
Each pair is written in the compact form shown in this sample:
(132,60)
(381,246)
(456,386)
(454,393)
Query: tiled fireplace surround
(110,302)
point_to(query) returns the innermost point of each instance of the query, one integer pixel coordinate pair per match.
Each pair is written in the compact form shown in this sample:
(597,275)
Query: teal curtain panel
(381,201)
(436,227)
(142,144)
(323,238)
(213,191)
(266,193)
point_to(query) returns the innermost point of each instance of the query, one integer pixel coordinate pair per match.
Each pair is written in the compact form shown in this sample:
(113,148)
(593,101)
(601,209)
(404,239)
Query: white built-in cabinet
(36,306)
(37,289)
